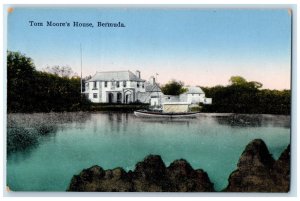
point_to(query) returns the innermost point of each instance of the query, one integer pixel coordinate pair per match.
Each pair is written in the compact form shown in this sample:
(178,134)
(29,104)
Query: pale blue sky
(198,46)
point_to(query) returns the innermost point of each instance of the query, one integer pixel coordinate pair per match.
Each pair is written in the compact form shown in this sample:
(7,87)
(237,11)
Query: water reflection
(240,120)
(110,122)
(254,120)
(169,121)
(26,131)
(43,127)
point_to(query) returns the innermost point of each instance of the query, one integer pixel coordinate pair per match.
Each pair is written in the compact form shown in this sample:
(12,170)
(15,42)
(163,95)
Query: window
(118,84)
(95,85)
(124,83)
(143,85)
(95,95)
(105,84)
(137,84)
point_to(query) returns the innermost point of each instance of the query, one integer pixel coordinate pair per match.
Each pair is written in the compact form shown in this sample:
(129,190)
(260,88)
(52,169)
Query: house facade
(122,87)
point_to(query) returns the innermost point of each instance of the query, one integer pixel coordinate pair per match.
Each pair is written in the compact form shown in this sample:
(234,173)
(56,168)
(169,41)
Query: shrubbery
(29,90)
(247,97)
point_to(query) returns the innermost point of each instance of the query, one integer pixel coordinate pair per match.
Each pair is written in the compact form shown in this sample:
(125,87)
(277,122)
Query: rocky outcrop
(150,175)
(257,171)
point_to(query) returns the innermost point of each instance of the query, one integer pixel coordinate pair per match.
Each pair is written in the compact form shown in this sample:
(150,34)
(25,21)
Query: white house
(120,87)
(126,87)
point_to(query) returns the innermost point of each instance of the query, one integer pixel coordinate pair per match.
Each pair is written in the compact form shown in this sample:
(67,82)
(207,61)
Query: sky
(197,46)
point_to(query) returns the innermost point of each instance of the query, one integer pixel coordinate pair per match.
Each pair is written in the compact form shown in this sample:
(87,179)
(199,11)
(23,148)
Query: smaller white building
(193,95)
(152,94)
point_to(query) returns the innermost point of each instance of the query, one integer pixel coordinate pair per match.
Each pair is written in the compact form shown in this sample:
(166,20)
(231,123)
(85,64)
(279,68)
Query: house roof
(152,87)
(116,76)
(194,90)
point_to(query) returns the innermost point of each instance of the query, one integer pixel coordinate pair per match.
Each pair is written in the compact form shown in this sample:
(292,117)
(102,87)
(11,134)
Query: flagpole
(80,68)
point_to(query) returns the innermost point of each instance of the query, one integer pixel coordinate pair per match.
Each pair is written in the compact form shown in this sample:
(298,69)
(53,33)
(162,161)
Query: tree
(20,78)
(237,80)
(173,87)
(240,81)
(30,90)
(247,97)
(61,71)
(255,84)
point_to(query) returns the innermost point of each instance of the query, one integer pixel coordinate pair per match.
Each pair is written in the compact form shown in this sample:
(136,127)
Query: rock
(257,171)
(281,170)
(96,179)
(256,155)
(150,175)
(152,168)
(83,182)
(184,178)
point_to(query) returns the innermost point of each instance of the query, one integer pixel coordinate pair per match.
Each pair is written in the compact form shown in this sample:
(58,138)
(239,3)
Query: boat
(161,114)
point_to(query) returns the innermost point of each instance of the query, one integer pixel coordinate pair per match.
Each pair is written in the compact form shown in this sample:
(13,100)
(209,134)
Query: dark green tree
(237,80)
(173,87)
(30,90)
(241,96)
(20,80)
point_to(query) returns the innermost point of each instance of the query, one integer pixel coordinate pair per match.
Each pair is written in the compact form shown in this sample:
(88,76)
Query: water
(212,143)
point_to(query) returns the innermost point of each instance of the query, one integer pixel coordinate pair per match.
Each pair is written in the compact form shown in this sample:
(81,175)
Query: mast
(80,68)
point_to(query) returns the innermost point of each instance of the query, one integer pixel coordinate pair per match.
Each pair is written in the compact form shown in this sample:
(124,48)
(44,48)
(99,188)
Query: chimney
(138,73)
(152,80)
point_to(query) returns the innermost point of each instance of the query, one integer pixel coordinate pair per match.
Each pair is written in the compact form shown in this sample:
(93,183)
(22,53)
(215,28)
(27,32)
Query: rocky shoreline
(256,171)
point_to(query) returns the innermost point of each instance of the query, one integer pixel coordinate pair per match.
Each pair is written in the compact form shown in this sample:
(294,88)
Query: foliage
(20,76)
(61,71)
(173,88)
(30,90)
(237,80)
(246,97)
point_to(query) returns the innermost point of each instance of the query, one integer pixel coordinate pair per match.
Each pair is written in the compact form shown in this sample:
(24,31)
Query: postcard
(148,99)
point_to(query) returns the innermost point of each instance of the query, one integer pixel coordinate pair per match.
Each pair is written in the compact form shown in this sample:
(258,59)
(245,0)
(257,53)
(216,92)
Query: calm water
(210,142)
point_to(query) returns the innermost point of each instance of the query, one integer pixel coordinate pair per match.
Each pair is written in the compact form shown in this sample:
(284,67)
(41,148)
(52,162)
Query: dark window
(105,84)
(95,95)
(119,98)
(138,84)
(118,84)
(95,85)
(143,85)
(124,83)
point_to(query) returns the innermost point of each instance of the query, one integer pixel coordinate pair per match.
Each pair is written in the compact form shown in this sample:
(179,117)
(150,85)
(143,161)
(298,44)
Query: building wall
(175,107)
(207,101)
(102,91)
(94,92)
(195,98)
(192,98)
